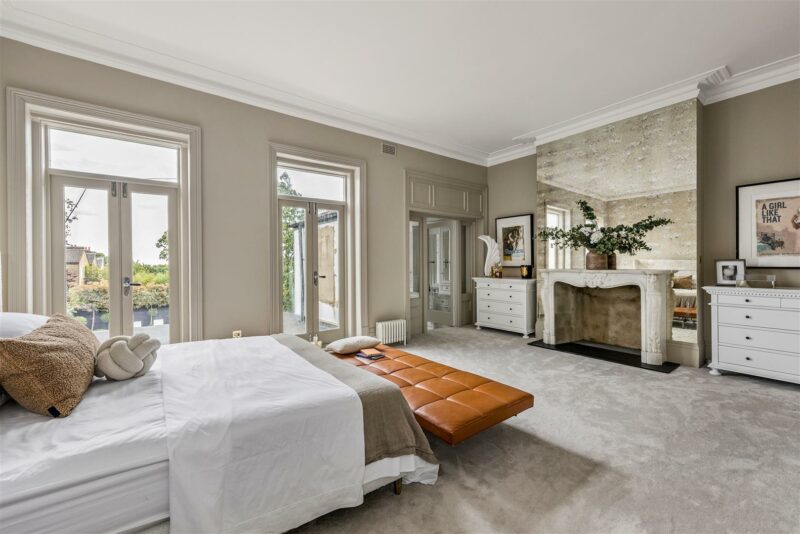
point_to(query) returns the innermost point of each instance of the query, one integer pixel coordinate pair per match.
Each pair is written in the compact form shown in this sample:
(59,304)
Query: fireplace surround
(655,305)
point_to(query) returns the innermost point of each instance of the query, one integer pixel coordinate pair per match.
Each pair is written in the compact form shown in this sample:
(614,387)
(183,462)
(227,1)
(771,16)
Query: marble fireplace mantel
(655,302)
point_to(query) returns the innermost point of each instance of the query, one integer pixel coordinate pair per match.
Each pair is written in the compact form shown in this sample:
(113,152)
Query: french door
(442,290)
(114,260)
(312,269)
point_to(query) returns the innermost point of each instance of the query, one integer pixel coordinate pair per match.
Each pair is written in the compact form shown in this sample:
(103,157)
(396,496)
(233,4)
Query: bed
(112,465)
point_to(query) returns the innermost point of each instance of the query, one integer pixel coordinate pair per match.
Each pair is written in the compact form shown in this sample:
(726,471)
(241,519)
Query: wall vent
(388,148)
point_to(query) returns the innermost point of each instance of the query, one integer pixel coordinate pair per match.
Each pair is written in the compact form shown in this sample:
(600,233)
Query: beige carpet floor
(606,448)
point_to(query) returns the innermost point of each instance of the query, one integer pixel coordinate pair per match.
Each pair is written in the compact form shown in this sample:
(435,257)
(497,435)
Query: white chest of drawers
(756,331)
(506,304)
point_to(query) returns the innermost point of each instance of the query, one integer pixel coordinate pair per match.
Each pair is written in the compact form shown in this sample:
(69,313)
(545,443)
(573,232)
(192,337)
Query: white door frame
(28,113)
(354,231)
(476,225)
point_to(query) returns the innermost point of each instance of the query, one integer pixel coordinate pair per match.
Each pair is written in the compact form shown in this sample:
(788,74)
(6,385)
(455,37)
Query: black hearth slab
(607,354)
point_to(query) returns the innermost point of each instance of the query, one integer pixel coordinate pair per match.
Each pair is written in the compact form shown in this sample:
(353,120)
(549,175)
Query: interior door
(312,269)
(440,302)
(113,258)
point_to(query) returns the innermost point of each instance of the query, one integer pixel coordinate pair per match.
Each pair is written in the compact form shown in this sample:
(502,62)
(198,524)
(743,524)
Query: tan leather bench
(453,405)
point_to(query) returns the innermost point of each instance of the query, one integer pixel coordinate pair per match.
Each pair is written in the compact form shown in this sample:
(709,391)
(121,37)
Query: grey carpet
(606,448)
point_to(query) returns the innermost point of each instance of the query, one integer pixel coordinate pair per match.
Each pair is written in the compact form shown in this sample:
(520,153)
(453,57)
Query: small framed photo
(729,272)
(515,237)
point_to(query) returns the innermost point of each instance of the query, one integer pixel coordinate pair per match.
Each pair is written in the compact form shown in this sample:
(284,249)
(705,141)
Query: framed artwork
(729,272)
(515,237)
(768,224)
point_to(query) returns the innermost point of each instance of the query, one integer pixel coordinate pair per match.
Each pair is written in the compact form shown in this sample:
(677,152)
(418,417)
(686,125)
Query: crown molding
(511,153)
(708,87)
(35,30)
(652,100)
(777,72)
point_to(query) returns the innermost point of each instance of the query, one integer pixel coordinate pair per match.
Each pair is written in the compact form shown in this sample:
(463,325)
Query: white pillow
(350,345)
(19,324)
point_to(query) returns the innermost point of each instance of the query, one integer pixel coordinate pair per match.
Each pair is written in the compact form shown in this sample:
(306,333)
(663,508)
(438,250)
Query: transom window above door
(306,183)
(98,154)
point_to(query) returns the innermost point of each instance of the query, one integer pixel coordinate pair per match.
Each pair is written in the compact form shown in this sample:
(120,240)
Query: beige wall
(235,173)
(512,191)
(748,139)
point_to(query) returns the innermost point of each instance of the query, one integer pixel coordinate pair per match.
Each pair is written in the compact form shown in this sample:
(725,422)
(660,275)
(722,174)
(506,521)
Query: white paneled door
(312,267)
(114,260)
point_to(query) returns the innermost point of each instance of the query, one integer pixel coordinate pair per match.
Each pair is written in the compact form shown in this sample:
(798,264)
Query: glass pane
(413,269)
(103,155)
(293,279)
(86,257)
(301,183)
(150,247)
(445,255)
(328,264)
(439,286)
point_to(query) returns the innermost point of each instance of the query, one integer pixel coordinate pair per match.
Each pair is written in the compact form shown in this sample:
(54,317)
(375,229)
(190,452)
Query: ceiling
(460,79)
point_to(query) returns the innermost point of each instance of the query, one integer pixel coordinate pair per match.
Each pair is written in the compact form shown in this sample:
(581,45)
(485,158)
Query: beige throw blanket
(390,429)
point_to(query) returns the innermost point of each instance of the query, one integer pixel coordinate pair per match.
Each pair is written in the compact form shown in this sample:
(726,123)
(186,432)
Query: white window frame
(29,289)
(563,254)
(354,228)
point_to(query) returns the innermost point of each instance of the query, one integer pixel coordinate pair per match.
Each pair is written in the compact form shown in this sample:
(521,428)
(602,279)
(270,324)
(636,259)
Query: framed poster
(768,224)
(515,237)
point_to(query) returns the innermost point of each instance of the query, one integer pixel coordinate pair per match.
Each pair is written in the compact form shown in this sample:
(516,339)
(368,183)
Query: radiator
(392,331)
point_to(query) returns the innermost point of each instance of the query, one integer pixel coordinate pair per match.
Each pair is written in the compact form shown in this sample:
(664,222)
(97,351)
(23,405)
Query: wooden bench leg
(398,486)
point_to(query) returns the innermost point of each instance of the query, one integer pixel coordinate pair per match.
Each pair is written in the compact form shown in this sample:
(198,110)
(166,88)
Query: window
(120,195)
(299,182)
(73,151)
(557,258)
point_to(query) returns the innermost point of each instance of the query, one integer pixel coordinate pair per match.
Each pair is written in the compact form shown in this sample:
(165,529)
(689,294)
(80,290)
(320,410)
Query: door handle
(317,276)
(127,284)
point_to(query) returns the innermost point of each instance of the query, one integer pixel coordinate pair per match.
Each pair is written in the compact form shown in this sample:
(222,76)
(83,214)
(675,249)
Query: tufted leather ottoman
(454,405)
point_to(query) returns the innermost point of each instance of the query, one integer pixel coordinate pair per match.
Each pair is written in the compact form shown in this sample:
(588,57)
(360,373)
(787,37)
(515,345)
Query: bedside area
(756,331)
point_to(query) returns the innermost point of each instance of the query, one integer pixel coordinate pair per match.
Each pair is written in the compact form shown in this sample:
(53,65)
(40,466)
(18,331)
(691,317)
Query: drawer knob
(748,358)
(511,309)
(747,300)
(747,317)
(748,337)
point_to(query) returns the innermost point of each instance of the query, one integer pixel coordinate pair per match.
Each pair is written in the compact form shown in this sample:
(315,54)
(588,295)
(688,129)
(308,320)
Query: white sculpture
(492,254)
(124,357)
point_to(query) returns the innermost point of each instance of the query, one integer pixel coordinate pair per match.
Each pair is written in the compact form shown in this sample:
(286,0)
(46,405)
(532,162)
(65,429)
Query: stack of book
(369,355)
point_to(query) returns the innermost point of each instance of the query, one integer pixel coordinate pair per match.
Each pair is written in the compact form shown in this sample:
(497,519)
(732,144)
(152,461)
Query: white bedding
(259,439)
(105,467)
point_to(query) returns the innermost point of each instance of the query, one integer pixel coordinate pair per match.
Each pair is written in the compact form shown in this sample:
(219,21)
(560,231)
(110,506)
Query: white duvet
(258,438)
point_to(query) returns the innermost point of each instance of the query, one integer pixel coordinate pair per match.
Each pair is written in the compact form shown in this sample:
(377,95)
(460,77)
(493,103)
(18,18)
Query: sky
(100,155)
(149,221)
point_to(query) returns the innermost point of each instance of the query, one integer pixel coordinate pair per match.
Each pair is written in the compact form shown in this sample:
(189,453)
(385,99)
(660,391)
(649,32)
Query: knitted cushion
(124,357)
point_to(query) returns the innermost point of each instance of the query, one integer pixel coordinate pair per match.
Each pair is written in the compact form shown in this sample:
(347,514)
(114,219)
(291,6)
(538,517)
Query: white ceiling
(463,79)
